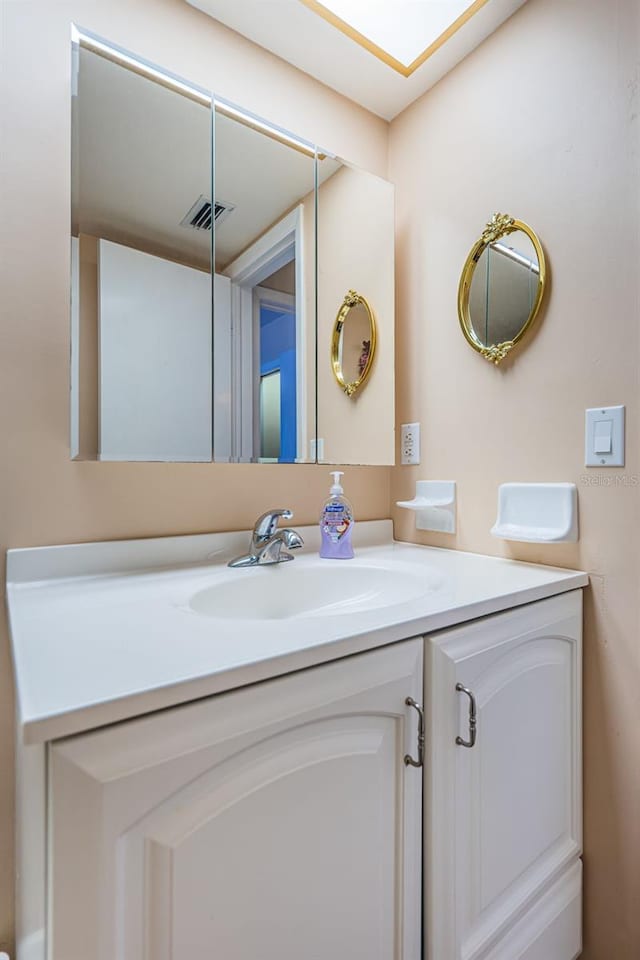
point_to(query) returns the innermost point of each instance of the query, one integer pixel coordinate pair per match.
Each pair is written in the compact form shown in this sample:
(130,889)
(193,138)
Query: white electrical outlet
(410,443)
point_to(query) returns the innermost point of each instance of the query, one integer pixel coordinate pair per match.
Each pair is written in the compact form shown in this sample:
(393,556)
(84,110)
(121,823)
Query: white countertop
(102,632)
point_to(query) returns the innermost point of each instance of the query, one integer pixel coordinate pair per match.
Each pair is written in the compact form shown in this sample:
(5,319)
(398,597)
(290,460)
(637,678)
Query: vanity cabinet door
(503,818)
(277,822)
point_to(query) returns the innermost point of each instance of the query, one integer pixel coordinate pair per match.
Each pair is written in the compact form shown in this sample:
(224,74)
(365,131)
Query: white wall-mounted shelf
(434,505)
(537,513)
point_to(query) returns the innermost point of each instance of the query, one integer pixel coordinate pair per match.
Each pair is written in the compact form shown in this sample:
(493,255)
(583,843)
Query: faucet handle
(265,526)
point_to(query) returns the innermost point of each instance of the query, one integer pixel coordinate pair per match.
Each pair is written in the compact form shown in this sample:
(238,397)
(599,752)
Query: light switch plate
(600,423)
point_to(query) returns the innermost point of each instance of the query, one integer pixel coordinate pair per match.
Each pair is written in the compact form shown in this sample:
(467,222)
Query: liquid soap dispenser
(336,523)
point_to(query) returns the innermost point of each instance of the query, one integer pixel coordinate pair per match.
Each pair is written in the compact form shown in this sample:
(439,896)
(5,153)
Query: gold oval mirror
(501,287)
(353,343)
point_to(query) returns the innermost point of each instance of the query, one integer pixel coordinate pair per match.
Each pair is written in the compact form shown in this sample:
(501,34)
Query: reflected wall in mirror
(356,253)
(194,324)
(141,279)
(264,308)
(501,287)
(353,345)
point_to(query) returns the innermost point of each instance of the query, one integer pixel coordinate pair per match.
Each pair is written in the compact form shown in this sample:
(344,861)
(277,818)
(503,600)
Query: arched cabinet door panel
(275,821)
(504,815)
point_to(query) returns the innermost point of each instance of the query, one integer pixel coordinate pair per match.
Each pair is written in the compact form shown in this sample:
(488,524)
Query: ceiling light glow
(401,32)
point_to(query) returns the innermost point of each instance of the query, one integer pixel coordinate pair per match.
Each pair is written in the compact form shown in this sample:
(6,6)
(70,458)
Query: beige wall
(87,346)
(540,122)
(356,252)
(283,280)
(45,498)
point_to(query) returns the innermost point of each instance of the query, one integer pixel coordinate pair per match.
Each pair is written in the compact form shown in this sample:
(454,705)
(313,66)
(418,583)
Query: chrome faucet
(267,541)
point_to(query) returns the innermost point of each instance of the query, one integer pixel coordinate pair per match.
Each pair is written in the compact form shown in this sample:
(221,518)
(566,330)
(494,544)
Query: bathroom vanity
(231,760)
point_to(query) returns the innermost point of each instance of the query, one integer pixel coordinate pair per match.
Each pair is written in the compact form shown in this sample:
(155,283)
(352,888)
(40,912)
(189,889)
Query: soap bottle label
(336,521)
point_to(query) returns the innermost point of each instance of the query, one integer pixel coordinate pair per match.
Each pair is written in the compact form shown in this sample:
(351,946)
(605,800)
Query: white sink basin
(320,589)
(150,649)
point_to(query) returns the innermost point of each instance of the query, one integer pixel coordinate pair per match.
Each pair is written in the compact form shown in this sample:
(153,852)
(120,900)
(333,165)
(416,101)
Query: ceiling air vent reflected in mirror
(199,215)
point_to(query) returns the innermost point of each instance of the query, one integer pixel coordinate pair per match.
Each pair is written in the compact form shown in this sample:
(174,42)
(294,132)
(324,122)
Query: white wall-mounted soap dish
(434,505)
(537,512)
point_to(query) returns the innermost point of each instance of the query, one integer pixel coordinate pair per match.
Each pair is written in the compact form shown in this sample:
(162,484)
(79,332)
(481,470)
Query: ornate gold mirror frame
(351,300)
(500,225)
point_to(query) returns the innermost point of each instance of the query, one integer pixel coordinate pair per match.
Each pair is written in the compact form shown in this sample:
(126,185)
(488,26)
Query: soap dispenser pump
(336,523)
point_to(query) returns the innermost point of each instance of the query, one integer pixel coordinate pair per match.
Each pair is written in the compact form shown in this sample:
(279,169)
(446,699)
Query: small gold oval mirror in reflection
(501,287)
(353,343)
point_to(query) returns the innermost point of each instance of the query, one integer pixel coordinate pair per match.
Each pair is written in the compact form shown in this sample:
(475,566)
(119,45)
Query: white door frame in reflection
(277,247)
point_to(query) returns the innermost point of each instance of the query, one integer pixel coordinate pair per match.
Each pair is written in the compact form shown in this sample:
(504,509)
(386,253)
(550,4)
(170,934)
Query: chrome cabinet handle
(473,718)
(408,760)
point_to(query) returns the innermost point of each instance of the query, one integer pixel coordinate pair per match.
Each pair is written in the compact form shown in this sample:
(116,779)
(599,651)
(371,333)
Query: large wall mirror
(141,275)
(265,263)
(210,251)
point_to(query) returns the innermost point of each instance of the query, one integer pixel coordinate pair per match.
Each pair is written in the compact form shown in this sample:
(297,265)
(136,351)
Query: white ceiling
(262,177)
(403,28)
(142,157)
(293,31)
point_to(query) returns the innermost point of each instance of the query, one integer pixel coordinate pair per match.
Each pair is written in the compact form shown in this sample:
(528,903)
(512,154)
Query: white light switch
(604,437)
